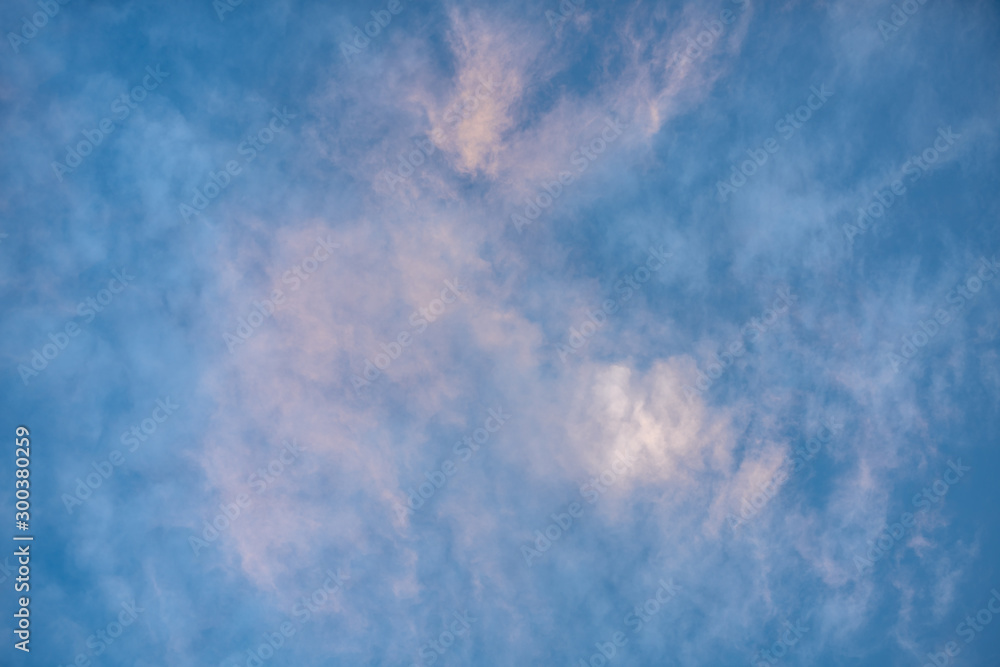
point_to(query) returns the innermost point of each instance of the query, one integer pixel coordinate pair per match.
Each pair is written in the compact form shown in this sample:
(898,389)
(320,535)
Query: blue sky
(505,334)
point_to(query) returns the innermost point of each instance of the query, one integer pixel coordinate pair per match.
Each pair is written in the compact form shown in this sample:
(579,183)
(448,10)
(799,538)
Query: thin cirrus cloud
(496,102)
